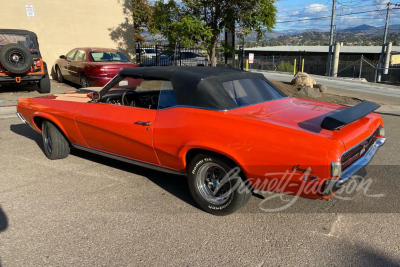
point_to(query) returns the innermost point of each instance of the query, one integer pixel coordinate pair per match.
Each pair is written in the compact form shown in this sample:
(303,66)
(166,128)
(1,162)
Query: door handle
(143,123)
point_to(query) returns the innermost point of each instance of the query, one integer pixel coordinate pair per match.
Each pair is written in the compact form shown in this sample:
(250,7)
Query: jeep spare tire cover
(16,58)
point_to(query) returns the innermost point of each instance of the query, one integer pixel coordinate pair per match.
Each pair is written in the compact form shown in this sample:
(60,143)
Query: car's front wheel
(217,185)
(55,145)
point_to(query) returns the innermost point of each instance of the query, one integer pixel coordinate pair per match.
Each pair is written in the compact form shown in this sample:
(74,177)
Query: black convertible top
(197,86)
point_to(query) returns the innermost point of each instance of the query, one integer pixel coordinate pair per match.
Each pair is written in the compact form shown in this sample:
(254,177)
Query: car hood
(307,115)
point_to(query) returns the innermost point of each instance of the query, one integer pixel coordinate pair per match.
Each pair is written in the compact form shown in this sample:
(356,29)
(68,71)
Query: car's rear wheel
(44,85)
(55,145)
(60,77)
(16,58)
(217,185)
(84,81)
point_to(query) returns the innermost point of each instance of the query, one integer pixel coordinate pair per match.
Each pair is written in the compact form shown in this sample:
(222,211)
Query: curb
(8,112)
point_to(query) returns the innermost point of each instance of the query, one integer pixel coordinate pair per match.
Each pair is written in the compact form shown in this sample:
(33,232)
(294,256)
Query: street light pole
(331,37)
(384,43)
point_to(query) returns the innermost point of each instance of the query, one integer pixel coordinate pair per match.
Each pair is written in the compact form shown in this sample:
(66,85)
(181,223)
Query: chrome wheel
(211,184)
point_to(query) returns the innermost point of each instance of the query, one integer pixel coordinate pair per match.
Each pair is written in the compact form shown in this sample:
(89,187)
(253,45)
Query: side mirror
(94,96)
(63,57)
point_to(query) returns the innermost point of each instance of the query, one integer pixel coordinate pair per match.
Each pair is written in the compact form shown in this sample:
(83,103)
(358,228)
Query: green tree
(179,27)
(142,13)
(194,21)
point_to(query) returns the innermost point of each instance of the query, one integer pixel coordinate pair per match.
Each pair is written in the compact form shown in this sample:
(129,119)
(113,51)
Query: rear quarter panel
(264,151)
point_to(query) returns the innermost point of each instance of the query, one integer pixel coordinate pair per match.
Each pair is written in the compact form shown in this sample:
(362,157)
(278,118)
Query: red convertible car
(90,66)
(231,132)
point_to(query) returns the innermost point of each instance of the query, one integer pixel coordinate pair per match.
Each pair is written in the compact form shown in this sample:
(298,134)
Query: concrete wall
(62,25)
(395,59)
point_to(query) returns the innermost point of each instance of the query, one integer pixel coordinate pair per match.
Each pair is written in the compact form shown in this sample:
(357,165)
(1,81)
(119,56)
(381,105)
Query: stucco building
(63,25)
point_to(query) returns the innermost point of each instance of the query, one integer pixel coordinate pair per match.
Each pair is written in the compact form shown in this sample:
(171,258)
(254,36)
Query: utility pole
(331,37)
(384,42)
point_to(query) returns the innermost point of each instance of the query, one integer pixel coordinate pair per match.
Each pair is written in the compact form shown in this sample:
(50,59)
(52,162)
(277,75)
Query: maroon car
(91,67)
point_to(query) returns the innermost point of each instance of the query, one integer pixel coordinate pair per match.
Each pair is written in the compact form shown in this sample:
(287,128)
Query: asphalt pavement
(87,210)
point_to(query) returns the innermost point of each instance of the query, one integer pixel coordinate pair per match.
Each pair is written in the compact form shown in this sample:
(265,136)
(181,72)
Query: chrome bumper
(22,118)
(331,186)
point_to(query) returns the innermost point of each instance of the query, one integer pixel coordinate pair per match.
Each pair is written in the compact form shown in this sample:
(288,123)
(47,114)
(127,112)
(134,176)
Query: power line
(329,17)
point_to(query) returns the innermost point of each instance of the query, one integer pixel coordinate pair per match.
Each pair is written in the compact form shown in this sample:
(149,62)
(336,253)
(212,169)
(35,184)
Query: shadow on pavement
(3,221)
(173,184)
(361,255)
(15,87)
(26,131)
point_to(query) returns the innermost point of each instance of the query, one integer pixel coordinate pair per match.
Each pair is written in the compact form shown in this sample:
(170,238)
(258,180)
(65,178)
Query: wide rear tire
(55,145)
(217,185)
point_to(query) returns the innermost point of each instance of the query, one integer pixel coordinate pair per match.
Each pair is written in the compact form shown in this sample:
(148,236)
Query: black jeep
(20,60)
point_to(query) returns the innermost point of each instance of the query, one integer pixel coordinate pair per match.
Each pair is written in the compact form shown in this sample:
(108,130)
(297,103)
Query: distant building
(63,25)
(315,60)
(346,52)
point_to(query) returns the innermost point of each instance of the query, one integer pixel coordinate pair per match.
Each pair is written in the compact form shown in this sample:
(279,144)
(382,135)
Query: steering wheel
(123,99)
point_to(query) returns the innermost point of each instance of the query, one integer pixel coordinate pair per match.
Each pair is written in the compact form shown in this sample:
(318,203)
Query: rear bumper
(96,81)
(356,170)
(24,78)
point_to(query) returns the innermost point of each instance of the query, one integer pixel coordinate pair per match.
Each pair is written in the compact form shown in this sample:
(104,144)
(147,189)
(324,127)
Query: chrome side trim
(131,161)
(22,118)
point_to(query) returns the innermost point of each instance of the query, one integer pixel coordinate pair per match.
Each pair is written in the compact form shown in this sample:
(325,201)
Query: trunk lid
(307,115)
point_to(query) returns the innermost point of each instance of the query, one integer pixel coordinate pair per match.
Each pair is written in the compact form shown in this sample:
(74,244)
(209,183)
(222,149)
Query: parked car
(179,59)
(89,66)
(230,131)
(21,61)
(146,53)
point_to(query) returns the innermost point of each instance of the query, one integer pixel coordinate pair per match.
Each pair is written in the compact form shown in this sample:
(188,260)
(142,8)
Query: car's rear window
(24,40)
(108,56)
(250,91)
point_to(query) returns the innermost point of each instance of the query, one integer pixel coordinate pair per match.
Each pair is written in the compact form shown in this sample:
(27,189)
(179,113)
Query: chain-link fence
(167,55)
(317,65)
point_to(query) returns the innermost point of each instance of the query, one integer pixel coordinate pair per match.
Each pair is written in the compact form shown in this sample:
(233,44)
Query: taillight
(38,63)
(99,71)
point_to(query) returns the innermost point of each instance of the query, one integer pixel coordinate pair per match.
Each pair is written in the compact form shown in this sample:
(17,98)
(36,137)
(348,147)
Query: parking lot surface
(87,210)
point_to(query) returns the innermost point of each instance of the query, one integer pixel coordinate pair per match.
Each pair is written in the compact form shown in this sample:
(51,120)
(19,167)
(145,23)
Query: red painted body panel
(266,140)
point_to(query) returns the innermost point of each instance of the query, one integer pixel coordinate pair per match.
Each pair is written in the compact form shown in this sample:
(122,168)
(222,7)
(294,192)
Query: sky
(315,14)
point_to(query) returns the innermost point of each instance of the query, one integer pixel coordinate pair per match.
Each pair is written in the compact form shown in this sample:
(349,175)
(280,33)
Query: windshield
(24,40)
(250,91)
(108,56)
